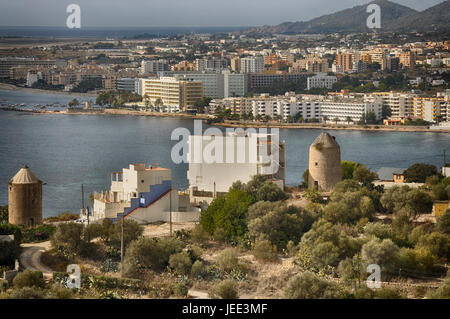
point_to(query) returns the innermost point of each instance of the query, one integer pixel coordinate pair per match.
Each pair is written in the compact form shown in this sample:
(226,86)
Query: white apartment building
(154,66)
(242,158)
(343,110)
(144,194)
(400,104)
(306,107)
(252,64)
(321,81)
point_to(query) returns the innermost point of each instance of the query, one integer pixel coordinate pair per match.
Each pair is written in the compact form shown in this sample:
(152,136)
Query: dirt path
(197,294)
(163,230)
(31,257)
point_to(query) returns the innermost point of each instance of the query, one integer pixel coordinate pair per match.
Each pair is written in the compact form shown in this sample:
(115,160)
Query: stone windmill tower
(324,163)
(25,198)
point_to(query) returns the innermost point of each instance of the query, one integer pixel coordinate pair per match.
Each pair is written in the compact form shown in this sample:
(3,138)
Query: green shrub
(291,249)
(199,235)
(27,293)
(363,293)
(443,292)
(63,217)
(29,278)
(4,216)
(181,262)
(387,293)
(265,251)
(37,234)
(9,229)
(4,285)
(443,223)
(198,269)
(150,253)
(195,253)
(227,260)
(309,286)
(59,292)
(226,289)
(9,252)
(180,289)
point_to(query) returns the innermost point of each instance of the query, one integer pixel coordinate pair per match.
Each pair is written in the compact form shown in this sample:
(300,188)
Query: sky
(152,13)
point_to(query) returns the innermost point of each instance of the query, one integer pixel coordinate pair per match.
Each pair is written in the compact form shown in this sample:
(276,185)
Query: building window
(142,181)
(316,163)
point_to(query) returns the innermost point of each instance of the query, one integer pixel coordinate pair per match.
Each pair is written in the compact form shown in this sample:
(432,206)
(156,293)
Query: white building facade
(244,155)
(144,194)
(321,81)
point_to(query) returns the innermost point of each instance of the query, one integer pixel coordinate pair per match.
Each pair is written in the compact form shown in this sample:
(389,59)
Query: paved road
(31,257)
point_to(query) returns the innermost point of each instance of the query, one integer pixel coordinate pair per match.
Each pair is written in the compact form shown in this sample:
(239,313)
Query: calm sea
(67,150)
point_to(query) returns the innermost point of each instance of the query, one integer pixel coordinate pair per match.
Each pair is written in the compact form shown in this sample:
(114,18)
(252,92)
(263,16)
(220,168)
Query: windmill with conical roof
(25,198)
(324,163)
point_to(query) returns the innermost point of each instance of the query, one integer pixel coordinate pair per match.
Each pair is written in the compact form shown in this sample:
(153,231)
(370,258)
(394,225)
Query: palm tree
(159,103)
(336,119)
(349,119)
(324,118)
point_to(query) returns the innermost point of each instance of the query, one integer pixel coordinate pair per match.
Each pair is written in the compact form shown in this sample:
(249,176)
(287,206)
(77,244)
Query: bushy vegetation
(309,286)
(117,98)
(151,253)
(226,289)
(63,217)
(227,216)
(29,278)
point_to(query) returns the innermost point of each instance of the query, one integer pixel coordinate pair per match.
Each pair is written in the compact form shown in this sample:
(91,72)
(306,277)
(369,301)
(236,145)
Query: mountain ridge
(394,17)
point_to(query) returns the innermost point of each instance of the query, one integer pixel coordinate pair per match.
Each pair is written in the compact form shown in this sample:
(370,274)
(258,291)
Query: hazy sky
(142,13)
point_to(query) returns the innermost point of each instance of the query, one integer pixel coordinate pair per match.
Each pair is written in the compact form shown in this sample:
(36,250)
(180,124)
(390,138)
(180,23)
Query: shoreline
(230,124)
(123,112)
(11,87)
(331,127)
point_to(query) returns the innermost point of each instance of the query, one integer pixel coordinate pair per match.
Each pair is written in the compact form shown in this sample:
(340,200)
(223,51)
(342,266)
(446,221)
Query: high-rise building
(170,94)
(154,66)
(345,60)
(235,64)
(408,59)
(252,64)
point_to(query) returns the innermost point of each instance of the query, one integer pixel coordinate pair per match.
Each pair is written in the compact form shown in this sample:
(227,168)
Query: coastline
(123,112)
(11,87)
(331,127)
(230,124)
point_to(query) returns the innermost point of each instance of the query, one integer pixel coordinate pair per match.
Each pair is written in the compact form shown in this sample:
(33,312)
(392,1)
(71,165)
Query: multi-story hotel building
(175,95)
(306,107)
(400,104)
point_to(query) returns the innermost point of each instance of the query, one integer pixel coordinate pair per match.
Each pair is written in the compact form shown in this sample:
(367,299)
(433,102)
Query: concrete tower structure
(324,163)
(25,198)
